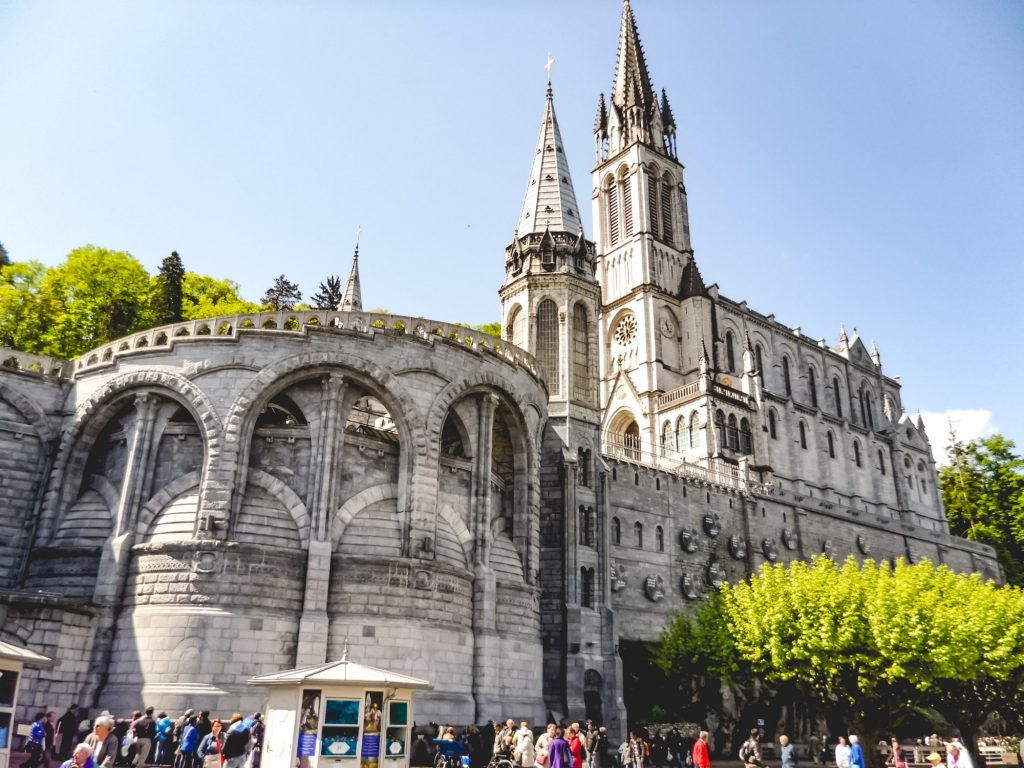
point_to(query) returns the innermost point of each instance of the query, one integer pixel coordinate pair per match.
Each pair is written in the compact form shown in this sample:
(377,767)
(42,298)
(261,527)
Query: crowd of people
(574,745)
(192,740)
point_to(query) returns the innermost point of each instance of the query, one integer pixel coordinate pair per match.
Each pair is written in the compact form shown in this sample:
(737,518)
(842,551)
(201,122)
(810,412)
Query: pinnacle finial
(746,341)
(875,357)
(843,339)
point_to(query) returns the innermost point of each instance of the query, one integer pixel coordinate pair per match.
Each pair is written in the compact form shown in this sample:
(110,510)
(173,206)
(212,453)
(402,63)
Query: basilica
(211,500)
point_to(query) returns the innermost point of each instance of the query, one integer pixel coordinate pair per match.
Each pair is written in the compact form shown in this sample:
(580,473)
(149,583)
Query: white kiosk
(13,659)
(338,715)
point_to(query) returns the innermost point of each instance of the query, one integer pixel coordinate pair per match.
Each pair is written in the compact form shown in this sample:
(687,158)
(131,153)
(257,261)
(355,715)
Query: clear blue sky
(857,162)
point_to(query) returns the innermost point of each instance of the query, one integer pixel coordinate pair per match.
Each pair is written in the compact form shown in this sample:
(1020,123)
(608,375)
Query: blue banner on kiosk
(307,745)
(371,745)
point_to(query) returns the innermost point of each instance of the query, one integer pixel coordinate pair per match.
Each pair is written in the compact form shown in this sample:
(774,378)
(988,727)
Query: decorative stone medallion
(737,547)
(769,550)
(716,575)
(863,544)
(789,538)
(654,588)
(712,524)
(688,540)
(689,587)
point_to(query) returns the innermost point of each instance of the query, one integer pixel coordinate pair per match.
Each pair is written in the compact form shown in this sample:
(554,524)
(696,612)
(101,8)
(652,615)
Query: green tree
(491,329)
(870,643)
(96,295)
(5,257)
(204,296)
(330,294)
(983,490)
(282,295)
(21,318)
(167,290)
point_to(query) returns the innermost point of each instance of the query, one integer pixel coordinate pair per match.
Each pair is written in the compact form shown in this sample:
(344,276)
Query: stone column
(314,624)
(116,556)
(486,645)
(570,530)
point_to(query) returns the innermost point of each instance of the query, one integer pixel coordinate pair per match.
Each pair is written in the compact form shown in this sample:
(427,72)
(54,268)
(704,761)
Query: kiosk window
(340,734)
(397,741)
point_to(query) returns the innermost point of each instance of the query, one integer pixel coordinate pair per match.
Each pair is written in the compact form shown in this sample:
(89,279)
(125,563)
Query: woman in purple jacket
(559,754)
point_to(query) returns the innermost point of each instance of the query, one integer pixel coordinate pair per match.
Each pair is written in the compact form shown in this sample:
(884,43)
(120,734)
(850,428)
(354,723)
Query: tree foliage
(283,295)
(329,295)
(167,290)
(204,296)
(97,295)
(5,257)
(866,642)
(983,491)
(491,329)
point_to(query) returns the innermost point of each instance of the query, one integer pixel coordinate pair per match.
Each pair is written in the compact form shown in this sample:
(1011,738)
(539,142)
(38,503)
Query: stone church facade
(211,500)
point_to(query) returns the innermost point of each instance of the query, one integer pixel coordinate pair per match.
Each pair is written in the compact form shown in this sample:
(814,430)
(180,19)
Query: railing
(679,395)
(230,326)
(13,360)
(710,470)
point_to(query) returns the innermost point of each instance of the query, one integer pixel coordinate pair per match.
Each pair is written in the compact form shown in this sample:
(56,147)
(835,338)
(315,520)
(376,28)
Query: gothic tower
(656,312)
(550,302)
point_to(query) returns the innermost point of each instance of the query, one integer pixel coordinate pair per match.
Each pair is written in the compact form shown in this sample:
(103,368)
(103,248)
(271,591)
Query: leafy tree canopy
(5,258)
(204,296)
(491,329)
(96,295)
(983,491)
(866,642)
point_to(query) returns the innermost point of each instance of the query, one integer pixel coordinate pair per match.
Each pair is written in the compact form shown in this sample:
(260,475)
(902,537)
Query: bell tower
(656,312)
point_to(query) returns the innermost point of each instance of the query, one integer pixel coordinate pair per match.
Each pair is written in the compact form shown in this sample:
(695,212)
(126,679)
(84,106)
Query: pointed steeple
(666,111)
(875,357)
(352,299)
(601,123)
(632,82)
(550,201)
(844,340)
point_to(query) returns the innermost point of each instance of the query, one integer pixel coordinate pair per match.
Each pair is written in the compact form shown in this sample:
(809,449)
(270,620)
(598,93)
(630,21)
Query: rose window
(625,331)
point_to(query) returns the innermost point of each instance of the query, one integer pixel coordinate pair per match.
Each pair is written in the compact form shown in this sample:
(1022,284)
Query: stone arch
(93,415)
(230,469)
(32,413)
(162,498)
(288,498)
(462,533)
(363,499)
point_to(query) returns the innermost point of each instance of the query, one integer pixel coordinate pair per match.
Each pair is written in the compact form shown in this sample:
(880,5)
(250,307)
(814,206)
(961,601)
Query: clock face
(667,327)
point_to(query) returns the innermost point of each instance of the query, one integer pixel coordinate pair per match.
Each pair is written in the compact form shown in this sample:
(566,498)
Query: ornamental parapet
(227,327)
(14,360)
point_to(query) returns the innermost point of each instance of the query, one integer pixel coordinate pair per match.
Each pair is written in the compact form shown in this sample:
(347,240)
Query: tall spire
(550,201)
(632,82)
(352,299)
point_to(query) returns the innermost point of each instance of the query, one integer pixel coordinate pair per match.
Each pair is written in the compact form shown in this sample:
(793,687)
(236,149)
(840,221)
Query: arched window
(582,383)
(730,353)
(787,385)
(652,201)
(838,393)
(614,225)
(616,531)
(682,435)
(856,453)
(659,538)
(631,441)
(547,344)
(720,429)
(812,387)
(638,534)
(516,331)
(746,441)
(626,184)
(881,461)
(831,445)
(869,406)
(666,209)
(863,411)
(668,439)
(773,428)
(803,436)
(732,434)
(694,430)
(758,361)
(587,587)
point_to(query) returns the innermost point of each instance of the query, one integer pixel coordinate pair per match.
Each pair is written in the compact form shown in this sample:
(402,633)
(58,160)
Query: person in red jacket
(700,751)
